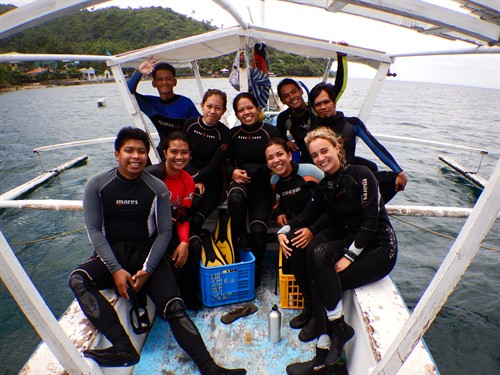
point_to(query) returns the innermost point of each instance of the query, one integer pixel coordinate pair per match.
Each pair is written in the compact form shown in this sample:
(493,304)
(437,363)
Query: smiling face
(278,160)
(164,82)
(176,156)
(213,109)
(325,155)
(247,112)
(291,96)
(132,158)
(324,106)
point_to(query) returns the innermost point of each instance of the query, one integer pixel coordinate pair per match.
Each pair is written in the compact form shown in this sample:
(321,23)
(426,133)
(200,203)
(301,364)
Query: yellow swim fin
(224,238)
(210,254)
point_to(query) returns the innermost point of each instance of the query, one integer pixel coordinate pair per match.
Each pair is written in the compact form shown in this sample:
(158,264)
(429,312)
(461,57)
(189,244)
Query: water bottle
(274,325)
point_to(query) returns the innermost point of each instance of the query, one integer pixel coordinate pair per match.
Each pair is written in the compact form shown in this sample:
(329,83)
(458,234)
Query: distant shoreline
(47,84)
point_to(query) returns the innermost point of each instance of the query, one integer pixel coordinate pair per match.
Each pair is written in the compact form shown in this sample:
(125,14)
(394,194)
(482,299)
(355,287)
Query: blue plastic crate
(229,284)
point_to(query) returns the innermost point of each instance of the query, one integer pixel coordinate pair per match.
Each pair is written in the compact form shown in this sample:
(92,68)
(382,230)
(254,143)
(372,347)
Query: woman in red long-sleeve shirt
(180,186)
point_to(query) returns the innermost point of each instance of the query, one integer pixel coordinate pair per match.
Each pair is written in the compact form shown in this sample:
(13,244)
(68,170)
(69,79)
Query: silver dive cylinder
(274,330)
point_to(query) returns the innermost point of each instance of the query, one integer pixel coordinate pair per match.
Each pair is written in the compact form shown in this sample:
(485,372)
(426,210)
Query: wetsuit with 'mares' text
(129,224)
(351,197)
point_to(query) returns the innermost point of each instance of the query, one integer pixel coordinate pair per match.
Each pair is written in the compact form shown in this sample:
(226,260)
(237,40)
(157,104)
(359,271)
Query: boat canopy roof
(476,23)
(220,42)
(471,21)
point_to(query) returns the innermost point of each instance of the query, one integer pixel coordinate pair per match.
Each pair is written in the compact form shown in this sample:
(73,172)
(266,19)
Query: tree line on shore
(112,31)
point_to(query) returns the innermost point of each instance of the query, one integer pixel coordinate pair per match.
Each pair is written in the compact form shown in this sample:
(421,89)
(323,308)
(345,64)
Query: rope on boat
(439,234)
(49,238)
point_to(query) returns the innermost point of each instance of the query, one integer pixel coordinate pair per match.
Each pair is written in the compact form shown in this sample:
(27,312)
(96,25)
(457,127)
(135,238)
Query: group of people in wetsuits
(144,222)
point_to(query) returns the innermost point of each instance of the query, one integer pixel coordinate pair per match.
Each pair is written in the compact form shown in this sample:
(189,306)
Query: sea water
(49,244)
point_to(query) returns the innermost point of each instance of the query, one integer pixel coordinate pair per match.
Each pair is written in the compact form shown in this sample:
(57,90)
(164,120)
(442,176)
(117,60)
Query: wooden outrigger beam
(429,142)
(36,310)
(471,176)
(74,144)
(43,204)
(16,192)
(447,277)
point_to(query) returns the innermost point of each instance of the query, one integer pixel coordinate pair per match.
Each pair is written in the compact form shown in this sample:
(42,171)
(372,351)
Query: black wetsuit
(351,197)
(348,128)
(129,224)
(296,190)
(299,123)
(293,193)
(204,140)
(243,147)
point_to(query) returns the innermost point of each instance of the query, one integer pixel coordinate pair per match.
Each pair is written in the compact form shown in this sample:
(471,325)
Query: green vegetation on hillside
(114,30)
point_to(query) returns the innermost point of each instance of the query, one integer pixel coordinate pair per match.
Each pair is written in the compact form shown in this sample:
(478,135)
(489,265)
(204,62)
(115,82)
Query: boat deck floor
(228,343)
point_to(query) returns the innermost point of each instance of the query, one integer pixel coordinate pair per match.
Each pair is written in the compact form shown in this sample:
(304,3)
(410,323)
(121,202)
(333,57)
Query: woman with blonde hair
(362,248)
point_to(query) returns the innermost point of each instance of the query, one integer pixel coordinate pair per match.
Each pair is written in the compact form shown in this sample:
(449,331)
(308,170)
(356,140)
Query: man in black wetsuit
(322,98)
(128,220)
(297,118)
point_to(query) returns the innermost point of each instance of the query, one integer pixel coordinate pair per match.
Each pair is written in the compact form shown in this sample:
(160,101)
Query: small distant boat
(101,102)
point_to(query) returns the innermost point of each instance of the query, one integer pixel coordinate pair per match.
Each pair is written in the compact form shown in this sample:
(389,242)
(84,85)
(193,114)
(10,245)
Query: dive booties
(340,332)
(308,332)
(315,366)
(122,354)
(305,315)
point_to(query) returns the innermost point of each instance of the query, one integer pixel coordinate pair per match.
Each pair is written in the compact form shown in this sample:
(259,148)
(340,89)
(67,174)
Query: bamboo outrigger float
(388,340)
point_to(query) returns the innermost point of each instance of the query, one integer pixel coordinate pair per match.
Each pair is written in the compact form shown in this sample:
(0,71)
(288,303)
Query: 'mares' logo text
(126,202)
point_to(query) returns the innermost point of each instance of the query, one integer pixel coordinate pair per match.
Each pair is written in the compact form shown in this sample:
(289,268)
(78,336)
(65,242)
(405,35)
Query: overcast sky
(470,70)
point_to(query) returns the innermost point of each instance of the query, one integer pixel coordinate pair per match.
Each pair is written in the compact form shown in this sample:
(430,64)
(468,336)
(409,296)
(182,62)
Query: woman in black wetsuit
(366,251)
(249,190)
(294,185)
(205,134)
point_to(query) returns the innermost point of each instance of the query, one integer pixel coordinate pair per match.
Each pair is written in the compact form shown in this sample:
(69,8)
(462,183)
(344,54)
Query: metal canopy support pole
(38,313)
(197,75)
(133,108)
(327,70)
(447,277)
(244,69)
(375,88)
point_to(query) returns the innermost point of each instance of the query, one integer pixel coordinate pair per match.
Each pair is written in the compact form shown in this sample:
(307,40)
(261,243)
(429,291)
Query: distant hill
(114,30)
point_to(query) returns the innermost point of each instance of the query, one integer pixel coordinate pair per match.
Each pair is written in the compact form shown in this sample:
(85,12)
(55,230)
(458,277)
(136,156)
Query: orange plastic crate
(290,296)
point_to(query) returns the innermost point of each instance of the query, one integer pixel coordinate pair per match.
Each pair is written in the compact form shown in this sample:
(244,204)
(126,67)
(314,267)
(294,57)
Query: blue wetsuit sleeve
(376,147)
(163,224)
(94,221)
(134,81)
(144,104)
